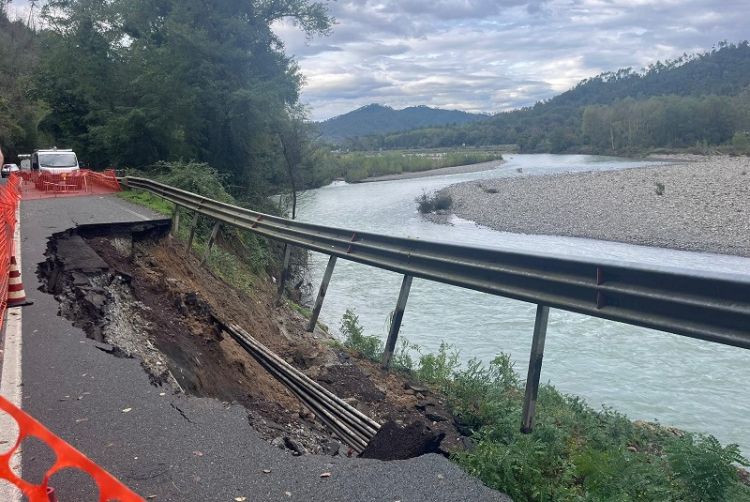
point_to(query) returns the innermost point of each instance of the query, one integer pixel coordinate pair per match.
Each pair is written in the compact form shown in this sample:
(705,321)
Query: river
(646,374)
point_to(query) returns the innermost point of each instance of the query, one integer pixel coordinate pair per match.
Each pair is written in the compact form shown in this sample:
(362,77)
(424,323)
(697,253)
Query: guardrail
(711,307)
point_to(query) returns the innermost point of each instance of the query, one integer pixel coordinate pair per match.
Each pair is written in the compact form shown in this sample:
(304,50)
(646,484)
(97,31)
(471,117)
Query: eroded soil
(140,294)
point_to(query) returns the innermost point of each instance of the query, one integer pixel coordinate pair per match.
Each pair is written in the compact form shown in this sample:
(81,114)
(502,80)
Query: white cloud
(487,55)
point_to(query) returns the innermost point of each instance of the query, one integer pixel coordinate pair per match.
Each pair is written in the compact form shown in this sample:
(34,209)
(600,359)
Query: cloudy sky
(492,55)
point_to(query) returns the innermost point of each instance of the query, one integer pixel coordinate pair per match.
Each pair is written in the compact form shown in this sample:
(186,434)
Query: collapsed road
(200,444)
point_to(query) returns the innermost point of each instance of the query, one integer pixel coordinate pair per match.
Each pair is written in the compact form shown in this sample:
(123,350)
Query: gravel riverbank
(704,204)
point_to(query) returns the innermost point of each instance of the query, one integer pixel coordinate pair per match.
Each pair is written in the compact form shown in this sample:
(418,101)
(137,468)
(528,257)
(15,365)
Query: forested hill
(379,119)
(693,100)
(723,72)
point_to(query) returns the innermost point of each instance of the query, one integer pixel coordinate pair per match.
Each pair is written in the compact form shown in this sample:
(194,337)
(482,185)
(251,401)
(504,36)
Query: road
(175,447)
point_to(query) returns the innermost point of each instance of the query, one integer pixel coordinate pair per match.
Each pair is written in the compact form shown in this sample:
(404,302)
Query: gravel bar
(705,204)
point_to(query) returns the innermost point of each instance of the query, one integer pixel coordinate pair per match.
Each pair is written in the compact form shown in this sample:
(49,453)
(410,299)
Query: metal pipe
(398,316)
(304,392)
(321,294)
(193,225)
(210,243)
(535,368)
(283,274)
(175,221)
(238,333)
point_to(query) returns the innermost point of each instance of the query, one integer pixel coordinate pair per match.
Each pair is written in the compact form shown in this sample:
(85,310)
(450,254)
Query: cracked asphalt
(175,447)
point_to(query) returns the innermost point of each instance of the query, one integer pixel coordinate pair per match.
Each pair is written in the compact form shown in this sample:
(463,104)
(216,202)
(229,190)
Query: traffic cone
(16,293)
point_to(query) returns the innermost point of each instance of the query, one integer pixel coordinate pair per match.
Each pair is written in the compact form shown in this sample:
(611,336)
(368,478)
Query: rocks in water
(393,442)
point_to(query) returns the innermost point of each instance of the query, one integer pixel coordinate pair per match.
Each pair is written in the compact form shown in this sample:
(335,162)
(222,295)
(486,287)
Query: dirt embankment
(142,295)
(695,204)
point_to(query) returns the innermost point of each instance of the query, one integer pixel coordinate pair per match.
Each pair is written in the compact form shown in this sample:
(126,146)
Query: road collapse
(139,294)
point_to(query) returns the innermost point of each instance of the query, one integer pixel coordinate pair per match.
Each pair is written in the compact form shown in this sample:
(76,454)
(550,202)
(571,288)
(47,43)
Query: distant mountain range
(694,101)
(379,119)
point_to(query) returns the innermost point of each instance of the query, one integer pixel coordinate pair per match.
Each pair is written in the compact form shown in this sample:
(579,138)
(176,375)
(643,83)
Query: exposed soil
(141,295)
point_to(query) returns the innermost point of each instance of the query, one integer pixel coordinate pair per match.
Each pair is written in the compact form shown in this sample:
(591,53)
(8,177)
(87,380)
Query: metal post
(175,221)
(535,368)
(321,294)
(283,274)
(193,225)
(398,316)
(211,240)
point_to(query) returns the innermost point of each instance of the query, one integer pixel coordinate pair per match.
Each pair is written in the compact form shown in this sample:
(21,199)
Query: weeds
(354,338)
(659,188)
(575,452)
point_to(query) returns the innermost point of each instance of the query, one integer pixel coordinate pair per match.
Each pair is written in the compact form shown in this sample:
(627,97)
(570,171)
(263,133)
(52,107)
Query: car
(7,169)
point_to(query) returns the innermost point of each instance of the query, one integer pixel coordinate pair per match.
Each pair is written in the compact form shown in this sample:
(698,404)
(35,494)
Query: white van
(54,161)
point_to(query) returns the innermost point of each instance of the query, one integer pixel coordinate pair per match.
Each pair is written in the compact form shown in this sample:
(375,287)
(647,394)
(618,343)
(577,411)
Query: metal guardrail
(712,307)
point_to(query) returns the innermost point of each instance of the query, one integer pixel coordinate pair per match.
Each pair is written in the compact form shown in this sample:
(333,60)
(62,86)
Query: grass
(148,200)
(575,453)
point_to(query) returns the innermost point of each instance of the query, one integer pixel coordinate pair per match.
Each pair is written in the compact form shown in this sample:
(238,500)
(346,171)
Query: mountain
(699,100)
(379,119)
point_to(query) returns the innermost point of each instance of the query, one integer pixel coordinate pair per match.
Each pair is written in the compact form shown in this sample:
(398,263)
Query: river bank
(694,204)
(471,168)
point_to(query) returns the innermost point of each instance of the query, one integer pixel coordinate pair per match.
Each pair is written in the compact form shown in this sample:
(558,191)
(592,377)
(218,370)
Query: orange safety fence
(9,196)
(38,185)
(67,457)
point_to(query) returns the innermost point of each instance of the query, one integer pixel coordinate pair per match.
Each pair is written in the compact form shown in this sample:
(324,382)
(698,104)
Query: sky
(491,55)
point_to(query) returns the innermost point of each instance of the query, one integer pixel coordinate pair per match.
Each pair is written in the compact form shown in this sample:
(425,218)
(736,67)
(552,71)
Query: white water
(695,385)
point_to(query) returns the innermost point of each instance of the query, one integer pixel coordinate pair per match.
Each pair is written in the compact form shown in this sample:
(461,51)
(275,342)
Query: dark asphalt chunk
(80,392)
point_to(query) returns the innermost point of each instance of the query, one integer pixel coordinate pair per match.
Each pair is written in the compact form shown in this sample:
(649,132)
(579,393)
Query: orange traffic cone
(16,293)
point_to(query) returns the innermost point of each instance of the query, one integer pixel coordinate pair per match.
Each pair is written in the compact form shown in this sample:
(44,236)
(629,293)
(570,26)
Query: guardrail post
(398,316)
(321,294)
(210,243)
(283,274)
(193,225)
(535,368)
(175,221)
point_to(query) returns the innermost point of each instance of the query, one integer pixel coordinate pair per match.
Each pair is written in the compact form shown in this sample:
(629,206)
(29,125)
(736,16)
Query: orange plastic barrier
(38,185)
(67,457)
(9,197)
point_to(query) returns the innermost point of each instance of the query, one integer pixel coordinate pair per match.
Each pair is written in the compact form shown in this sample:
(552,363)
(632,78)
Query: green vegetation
(369,347)
(356,166)
(128,83)
(435,202)
(575,453)
(148,200)
(239,256)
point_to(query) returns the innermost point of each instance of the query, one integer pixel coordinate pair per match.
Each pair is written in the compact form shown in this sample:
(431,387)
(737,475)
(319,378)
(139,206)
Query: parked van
(54,161)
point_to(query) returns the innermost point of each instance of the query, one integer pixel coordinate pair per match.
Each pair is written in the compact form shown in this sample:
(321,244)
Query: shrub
(370,347)
(436,202)
(703,467)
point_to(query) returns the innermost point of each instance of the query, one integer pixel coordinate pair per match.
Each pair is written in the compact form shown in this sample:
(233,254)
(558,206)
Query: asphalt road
(176,447)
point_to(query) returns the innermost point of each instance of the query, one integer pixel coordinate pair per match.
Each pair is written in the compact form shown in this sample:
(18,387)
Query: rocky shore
(695,203)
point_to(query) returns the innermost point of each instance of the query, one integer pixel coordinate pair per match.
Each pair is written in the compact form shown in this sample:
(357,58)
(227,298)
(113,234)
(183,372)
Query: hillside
(701,99)
(379,119)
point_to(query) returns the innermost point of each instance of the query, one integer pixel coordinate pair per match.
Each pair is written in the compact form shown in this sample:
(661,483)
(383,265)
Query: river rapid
(646,374)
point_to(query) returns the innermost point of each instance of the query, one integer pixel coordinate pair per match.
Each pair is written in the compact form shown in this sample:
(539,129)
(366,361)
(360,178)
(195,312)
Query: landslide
(141,294)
